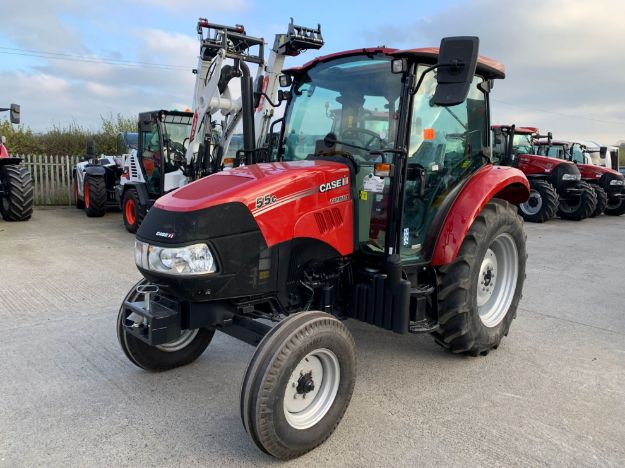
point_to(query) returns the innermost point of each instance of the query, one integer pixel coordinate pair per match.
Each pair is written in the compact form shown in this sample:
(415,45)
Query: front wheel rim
(497,280)
(130,212)
(533,205)
(185,338)
(312,389)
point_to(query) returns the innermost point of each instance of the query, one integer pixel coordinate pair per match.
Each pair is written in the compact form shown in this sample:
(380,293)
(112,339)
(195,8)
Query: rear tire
(582,208)
(17,203)
(78,203)
(132,210)
(481,289)
(602,201)
(542,204)
(95,196)
(615,208)
(307,354)
(185,350)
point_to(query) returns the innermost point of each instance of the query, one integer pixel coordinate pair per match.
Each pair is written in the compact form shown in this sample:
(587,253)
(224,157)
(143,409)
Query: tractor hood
(245,216)
(545,164)
(260,187)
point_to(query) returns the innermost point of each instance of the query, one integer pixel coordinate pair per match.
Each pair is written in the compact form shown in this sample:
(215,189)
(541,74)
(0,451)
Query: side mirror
(285,81)
(15,113)
(457,61)
(3,140)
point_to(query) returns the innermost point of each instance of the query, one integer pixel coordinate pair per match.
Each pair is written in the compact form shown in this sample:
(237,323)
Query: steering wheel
(355,131)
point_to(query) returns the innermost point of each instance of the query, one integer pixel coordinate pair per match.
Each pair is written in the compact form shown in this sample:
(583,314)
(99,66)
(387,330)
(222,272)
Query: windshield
(353,100)
(522,144)
(578,154)
(132,140)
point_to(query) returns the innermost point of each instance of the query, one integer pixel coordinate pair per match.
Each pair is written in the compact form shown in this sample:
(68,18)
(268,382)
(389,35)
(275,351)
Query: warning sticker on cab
(373,183)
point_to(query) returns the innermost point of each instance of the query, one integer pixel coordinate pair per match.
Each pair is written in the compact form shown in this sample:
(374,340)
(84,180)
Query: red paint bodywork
(592,172)
(489,182)
(486,67)
(533,164)
(4,153)
(300,208)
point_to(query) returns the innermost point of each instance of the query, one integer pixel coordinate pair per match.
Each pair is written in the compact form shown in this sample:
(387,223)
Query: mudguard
(10,161)
(489,182)
(95,170)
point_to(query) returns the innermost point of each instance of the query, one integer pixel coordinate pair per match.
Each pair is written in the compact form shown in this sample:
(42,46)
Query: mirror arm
(434,67)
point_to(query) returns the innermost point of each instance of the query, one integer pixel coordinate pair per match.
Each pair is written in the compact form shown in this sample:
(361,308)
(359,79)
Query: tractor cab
(405,152)
(163,136)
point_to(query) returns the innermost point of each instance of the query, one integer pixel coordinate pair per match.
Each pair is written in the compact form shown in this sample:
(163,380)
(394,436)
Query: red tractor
(406,226)
(608,184)
(16,183)
(556,186)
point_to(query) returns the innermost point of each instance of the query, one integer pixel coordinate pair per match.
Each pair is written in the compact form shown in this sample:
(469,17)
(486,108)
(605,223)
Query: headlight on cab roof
(572,177)
(617,182)
(195,259)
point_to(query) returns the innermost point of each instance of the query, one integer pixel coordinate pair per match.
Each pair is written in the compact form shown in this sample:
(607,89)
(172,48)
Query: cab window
(446,145)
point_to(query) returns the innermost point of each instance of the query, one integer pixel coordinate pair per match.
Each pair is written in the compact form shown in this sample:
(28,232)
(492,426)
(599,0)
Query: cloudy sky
(564,58)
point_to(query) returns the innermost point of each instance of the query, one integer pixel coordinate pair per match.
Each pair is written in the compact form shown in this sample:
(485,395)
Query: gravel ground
(552,394)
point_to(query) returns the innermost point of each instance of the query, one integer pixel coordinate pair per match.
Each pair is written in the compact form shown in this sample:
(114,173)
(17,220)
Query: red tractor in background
(404,225)
(16,183)
(556,186)
(608,184)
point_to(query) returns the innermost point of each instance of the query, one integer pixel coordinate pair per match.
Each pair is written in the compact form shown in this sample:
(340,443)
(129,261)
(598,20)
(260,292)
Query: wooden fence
(52,177)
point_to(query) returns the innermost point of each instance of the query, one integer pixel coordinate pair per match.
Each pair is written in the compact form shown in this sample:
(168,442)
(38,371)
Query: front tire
(180,352)
(95,196)
(16,204)
(615,207)
(542,204)
(602,201)
(480,291)
(132,210)
(581,207)
(308,354)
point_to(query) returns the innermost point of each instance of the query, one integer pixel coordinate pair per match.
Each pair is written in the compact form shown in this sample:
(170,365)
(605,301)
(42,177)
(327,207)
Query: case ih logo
(334,184)
(166,235)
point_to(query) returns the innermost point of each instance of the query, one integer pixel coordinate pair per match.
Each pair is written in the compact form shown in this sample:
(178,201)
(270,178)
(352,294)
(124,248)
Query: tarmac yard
(553,393)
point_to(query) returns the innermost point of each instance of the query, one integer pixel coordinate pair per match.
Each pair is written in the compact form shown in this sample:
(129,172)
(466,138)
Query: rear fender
(10,161)
(95,171)
(489,182)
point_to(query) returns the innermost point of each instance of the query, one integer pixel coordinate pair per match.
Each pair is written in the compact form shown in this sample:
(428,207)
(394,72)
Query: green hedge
(71,139)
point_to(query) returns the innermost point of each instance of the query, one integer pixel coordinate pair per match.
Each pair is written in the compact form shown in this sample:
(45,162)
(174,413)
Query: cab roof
(520,130)
(486,67)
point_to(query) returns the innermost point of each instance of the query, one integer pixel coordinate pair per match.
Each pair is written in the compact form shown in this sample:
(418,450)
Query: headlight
(571,177)
(193,259)
(617,182)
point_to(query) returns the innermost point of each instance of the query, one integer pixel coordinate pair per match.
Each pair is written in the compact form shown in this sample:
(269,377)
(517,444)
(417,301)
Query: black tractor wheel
(95,196)
(298,384)
(580,207)
(480,290)
(78,203)
(542,204)
(602,201)
(615,206)
(177,353)
(132,210)
(17,194)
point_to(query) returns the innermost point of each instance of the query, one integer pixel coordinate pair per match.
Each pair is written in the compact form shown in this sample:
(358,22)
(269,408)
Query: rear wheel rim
(86,194)
(497,280)
(311,389)
(534,204)
(131,211)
